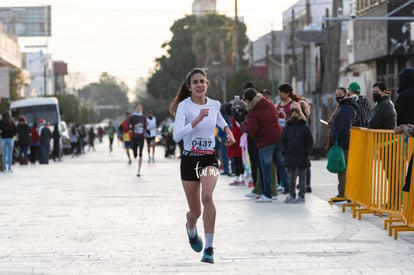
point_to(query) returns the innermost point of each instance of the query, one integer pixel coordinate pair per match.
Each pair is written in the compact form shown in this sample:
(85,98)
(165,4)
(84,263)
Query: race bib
(153,132)
(202,145)
(282,122)
(138,129)
(125,137)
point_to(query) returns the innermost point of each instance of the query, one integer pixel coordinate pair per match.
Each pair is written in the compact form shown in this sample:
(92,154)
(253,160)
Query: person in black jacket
(24,140)
(45,136)
(404,103)
(383,115)
(296,145)
(56,143)
(362,106)
(341,130)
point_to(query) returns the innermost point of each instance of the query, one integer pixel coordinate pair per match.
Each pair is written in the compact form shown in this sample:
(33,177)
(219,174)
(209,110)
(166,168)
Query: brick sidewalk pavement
(92,215)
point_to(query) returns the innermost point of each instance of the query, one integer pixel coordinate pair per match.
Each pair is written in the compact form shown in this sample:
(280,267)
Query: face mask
(376,97)
(339,98)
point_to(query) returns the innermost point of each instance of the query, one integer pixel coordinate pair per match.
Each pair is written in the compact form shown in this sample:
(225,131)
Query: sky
(124,37)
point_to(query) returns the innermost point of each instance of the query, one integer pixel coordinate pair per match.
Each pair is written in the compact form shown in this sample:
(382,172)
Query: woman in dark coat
(384,115)
(341,130)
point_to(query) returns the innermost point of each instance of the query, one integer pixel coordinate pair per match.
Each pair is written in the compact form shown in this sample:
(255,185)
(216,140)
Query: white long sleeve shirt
(151,127)
(199,139)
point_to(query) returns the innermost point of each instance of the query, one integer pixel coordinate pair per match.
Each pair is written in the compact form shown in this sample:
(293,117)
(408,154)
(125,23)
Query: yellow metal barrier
(376,171)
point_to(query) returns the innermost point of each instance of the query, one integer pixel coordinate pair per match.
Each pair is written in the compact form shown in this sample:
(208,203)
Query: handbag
(336,159)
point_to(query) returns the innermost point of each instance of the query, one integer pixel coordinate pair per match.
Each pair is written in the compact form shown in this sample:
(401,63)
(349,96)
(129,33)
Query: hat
(354,86)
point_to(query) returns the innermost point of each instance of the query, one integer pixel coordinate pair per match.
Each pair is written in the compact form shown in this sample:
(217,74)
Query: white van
(37,108)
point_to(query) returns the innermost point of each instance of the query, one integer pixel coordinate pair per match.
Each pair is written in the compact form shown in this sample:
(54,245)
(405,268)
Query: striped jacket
(362,112)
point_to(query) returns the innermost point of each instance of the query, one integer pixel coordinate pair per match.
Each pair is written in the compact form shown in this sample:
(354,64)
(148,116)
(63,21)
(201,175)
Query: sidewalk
(92,215)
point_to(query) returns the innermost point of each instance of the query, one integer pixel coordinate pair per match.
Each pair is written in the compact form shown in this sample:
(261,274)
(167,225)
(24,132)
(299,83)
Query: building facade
(40,67)
(383,45)
(203,7)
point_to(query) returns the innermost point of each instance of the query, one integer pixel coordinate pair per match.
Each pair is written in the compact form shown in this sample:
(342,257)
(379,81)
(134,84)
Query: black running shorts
(192,165)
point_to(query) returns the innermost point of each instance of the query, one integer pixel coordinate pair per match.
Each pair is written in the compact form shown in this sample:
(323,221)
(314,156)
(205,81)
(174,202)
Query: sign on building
(27,21)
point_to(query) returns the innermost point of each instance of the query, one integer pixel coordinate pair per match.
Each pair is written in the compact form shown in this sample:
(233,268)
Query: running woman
(196,117)
(137,123)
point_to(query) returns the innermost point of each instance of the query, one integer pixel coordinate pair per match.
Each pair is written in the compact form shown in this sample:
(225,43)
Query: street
(92,215)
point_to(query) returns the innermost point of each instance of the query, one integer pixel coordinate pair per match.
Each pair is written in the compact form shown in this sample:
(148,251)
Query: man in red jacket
(262,123)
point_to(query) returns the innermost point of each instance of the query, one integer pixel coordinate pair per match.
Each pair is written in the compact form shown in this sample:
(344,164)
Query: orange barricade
(376,172)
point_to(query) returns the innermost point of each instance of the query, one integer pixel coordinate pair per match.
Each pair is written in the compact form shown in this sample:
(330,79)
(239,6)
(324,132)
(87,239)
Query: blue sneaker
(196,243)
(208,256)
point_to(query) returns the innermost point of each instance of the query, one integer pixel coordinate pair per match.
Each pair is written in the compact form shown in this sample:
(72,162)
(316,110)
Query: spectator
(8,131)
(73,139)
(383,115)
(341,131)
(404,103)
(45,137)
(35,143)
(362,108)
(56,143)
(262,124)
(296,145)
(235,153)
(24,141)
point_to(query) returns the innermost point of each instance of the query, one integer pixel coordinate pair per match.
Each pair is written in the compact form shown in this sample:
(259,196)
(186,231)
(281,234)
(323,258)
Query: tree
(16,83)
(239,79)
(109,96)
(197,41)
(69,107)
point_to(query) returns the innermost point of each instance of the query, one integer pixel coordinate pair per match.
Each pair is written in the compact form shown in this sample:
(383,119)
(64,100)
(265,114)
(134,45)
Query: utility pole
(236,37)
(331,65)
(292,41)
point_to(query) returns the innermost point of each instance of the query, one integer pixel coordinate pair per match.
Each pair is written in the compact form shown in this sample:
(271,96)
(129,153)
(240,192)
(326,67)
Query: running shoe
(208,256)
(196,243)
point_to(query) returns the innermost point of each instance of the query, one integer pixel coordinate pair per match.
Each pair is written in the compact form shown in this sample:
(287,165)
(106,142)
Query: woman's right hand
(203,113)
